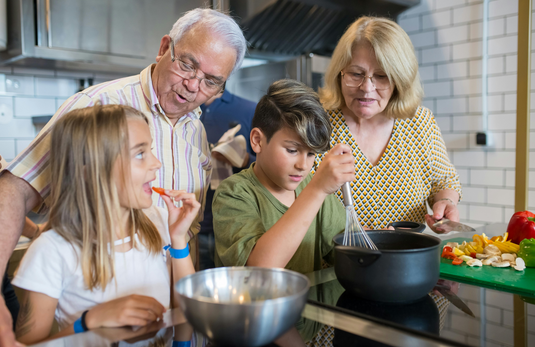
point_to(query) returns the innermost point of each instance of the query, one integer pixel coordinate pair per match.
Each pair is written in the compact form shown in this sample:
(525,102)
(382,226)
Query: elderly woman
(373,94)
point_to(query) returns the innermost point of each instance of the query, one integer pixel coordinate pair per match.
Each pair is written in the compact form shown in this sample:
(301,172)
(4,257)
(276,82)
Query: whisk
(354,235)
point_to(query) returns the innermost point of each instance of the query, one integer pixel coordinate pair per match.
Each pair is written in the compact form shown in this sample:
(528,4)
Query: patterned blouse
(414,167)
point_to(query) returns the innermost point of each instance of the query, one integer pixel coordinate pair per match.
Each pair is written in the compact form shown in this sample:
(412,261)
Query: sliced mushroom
(493,250)
(466,258)
(482,256)
(452,244)
(474,262)
(492,259)
(501,264)
(508,257)
(520,264)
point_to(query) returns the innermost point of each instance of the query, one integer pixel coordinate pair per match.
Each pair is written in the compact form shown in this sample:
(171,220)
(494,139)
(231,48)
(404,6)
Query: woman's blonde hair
(394,53)
(87,147)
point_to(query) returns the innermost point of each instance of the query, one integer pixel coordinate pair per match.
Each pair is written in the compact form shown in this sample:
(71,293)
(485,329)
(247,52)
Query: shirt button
(208,110)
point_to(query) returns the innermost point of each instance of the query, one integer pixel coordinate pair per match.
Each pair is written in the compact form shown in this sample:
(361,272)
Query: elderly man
(203,48)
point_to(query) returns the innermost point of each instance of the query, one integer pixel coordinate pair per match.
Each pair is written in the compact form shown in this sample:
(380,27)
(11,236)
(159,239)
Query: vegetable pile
(497,252)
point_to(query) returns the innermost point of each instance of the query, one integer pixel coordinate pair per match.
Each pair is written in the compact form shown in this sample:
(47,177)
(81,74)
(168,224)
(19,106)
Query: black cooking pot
(405,268)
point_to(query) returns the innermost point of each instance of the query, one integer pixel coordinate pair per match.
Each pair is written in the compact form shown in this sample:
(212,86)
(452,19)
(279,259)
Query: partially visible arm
(35,318)
(30,228)
(278,245)
(180,220)
(445,184)
(17,198)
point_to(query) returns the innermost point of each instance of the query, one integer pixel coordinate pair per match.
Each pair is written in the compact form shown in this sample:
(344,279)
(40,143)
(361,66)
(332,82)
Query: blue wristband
(78,326)
(181,343)
(177,253)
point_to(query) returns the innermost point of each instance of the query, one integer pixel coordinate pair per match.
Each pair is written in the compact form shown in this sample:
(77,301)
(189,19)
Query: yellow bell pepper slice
(479,240)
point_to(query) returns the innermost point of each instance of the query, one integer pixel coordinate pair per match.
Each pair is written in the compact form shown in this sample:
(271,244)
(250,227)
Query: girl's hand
(180,218)
(128,310)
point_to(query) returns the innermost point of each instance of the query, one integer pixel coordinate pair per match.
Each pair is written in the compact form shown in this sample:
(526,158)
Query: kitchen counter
(431,321)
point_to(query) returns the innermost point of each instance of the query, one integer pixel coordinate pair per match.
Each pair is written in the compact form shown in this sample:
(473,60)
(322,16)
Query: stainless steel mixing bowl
(243,306)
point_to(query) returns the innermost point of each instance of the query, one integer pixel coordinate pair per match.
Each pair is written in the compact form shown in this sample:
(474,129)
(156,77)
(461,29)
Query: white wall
(447,37)
(38,93)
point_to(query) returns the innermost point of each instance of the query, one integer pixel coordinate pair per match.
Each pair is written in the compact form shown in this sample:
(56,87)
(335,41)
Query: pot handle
(407,226)
(359,255)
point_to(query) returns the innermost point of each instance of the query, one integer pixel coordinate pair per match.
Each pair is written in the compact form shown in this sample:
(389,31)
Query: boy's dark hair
(292,104)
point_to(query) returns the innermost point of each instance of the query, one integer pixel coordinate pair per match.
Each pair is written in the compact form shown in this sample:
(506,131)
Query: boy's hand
(128,310)
(180,218)
(336,168)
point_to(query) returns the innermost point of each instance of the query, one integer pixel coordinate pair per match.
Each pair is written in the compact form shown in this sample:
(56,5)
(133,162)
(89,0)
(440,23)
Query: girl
(102,261)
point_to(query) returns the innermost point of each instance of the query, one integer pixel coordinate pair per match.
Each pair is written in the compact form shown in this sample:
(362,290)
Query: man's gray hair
(219,23)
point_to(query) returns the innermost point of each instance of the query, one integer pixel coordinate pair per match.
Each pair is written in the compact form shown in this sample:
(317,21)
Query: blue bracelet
(177,253)
(181,343)
(78,326)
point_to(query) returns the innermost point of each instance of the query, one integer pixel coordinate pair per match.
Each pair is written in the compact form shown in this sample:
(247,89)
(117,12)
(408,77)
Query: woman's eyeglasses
(356,79)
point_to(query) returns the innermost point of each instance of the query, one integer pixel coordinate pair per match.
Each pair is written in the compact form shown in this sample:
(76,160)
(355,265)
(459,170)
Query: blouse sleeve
(443,174)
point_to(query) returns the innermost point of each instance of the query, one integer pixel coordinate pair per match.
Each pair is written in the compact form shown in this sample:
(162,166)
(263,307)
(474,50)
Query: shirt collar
(226,97)
(152,99)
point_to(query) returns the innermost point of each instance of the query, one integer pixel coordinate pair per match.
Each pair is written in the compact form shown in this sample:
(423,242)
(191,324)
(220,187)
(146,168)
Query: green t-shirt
(243,210)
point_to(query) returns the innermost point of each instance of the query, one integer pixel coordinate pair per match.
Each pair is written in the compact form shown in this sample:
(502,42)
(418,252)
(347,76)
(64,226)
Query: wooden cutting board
(503,279)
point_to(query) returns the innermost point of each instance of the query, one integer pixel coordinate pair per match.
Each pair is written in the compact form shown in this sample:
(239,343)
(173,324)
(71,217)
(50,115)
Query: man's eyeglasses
(187,71)
(355,79)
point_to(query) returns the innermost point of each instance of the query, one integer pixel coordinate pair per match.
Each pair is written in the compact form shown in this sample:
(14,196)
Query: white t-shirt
(51,266)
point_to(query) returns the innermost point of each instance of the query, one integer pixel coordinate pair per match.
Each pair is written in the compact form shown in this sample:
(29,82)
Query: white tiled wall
(35,92)
(447,37)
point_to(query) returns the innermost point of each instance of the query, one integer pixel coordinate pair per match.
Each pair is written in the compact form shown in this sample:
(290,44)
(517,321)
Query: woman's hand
(129,310)
(180,218)
(443,208)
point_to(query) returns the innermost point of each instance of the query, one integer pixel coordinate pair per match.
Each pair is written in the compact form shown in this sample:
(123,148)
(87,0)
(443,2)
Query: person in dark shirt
(219,114)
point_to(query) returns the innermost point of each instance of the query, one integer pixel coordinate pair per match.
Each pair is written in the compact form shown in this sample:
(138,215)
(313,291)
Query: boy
(275,213)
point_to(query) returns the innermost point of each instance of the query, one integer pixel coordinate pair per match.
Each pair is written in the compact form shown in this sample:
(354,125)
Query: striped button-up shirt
(181,148)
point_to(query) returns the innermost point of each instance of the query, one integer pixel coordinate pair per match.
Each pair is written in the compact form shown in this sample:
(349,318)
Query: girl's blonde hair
(395,54)
(87,147)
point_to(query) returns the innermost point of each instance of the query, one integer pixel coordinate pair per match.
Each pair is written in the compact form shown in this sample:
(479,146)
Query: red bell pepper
(521,226)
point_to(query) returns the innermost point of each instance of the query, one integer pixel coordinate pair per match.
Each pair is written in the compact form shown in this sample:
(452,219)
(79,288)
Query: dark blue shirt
(223,113)
(226,112)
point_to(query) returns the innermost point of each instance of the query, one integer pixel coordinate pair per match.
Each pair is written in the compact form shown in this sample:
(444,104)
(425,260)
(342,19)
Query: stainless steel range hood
(123,36)
(295,27)
(94,35)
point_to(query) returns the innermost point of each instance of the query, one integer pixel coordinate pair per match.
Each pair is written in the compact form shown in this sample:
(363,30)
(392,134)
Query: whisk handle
(348,196)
